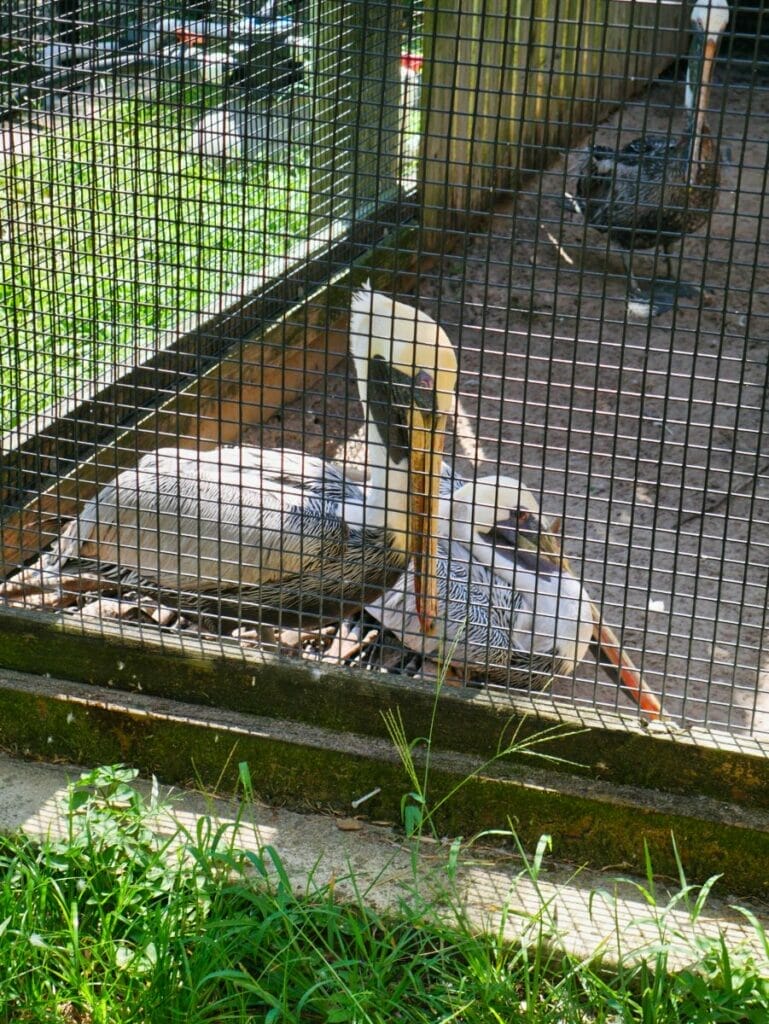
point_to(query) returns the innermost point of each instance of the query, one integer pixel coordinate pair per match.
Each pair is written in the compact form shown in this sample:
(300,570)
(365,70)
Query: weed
(117,922)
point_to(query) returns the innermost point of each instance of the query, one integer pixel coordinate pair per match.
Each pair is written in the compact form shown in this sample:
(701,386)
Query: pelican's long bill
(614,657)
(407,379)
(604,643)
(701,99)
(427,434)
(709,19)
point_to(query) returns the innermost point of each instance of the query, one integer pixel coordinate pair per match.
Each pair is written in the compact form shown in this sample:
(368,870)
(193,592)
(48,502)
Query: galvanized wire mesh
(189,187)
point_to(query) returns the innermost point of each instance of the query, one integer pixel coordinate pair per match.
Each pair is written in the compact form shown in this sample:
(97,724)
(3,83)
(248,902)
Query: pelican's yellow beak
(608,648)
(701,100)
(427,436)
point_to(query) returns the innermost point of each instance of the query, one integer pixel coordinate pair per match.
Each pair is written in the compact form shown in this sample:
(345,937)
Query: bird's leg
(665,292)
(267,636)
(258,635)
(371,636)
(641,300)
(627,260)
(353,640)
(689,291)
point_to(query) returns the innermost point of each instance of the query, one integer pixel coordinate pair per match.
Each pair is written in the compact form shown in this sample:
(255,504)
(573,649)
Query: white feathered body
(262,527)
(519,631)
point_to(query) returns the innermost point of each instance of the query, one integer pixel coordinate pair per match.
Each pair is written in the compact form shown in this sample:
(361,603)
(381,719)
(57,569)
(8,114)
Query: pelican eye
(527,522)
(423,393)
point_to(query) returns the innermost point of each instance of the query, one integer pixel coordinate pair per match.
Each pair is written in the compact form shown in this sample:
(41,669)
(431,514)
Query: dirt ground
(647,436)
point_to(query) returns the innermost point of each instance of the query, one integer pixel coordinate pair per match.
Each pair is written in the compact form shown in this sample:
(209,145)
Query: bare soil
(648,436)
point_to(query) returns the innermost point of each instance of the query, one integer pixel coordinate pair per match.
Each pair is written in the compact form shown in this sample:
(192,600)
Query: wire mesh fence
(565,448)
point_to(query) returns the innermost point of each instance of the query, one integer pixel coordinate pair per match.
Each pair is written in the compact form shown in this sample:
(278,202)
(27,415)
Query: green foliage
(116,922)
(417,813)
(114,230)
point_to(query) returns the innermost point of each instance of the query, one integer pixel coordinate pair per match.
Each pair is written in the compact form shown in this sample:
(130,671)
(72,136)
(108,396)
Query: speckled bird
(656,189)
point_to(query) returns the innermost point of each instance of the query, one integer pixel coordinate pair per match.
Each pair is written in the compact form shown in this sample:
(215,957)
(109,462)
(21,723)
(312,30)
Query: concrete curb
(589,910)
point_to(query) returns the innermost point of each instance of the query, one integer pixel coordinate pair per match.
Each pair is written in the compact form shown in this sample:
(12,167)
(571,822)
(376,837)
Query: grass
(115,923)
(113,230)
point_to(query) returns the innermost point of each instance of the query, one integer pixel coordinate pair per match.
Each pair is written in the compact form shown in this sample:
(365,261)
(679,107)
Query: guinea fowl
(656,189)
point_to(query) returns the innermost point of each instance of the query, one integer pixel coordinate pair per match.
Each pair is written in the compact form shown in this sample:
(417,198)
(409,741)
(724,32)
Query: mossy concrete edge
(597,746)
(300,766)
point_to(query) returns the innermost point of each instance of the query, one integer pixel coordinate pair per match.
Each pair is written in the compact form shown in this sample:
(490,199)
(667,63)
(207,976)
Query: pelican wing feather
(213,521)
(489,627)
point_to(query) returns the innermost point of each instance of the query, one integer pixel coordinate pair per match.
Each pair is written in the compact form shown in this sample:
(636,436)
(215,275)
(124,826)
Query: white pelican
(510,610)
(277,535)
(658,188)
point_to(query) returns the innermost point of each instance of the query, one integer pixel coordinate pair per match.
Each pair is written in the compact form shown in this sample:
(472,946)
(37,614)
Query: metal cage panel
(196,194)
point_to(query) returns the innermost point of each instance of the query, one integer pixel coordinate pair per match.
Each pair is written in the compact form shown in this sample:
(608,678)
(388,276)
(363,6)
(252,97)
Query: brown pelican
(510,608)
(657,188)
(279,530)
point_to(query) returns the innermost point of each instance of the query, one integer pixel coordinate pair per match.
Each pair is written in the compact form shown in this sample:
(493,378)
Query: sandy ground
(647,437)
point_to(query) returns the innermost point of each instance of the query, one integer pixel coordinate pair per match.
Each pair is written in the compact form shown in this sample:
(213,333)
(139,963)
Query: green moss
(351,702)
(298,769)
